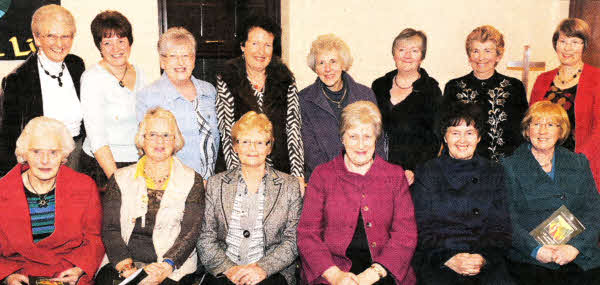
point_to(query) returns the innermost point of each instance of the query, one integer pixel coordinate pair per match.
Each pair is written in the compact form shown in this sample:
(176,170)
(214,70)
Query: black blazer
(21,101)
(460,207)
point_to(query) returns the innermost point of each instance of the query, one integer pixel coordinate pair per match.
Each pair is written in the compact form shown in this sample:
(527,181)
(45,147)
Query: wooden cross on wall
(526,66)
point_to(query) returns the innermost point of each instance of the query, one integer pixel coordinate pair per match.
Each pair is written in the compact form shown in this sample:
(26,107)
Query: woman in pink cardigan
(357,224)
(576,87)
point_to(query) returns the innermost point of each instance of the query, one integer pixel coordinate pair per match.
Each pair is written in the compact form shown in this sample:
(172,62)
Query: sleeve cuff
(534,252)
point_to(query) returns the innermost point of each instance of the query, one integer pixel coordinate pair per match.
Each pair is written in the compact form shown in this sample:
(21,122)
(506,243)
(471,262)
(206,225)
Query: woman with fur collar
(258,81)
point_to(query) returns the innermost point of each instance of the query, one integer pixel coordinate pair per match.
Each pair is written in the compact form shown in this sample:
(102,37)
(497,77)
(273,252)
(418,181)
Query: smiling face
(359,142)
(329,68)
(569,50)
(178,61)
(408,54)
(115,50)
(483,58)
(462,141)
(159,139)
(252,147)
(543,134)
(55,39)
(258,49)
(44,156)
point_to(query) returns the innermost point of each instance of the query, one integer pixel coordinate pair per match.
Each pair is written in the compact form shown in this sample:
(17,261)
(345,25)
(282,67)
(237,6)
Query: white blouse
(109,113)
(60,103)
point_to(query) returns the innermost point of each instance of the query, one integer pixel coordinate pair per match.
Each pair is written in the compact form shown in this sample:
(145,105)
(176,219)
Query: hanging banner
(16,40)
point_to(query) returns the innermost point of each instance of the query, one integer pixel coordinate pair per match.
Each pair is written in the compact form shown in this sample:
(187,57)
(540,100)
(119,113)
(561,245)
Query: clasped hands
(559,254)
(69,276)
(466,263)
(249,274)
(157,271)
(336,276)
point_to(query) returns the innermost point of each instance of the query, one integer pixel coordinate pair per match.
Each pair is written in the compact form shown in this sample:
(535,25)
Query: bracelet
(379,270)
(170,262)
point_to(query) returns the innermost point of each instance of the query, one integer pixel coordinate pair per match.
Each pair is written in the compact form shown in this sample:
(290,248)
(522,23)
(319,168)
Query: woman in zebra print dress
(258,81)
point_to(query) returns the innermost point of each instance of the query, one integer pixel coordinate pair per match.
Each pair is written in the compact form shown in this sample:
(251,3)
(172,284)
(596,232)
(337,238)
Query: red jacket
(76,239)
(333,198)
(587,113)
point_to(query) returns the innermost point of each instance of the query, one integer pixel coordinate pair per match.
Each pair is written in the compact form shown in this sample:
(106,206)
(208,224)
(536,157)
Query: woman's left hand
(564,254)
(302,185)
(250,274)
(70,275)
(368,277)
(157,272)
(410,177)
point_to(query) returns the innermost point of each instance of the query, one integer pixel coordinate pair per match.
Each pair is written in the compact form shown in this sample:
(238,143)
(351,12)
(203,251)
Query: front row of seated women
(358,226)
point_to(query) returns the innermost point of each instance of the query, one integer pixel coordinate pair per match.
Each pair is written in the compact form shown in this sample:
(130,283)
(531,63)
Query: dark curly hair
(264,23)
(458,112)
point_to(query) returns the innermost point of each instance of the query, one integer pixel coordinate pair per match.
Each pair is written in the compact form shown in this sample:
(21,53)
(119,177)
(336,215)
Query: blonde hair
(253,121)
(54,13)
(483,34)
(44,127)
(329,42)
(546,109)
(176,35)
(158,113)
(360,112)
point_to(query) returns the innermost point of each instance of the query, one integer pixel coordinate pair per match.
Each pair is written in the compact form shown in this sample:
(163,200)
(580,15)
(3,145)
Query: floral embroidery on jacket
(497,98)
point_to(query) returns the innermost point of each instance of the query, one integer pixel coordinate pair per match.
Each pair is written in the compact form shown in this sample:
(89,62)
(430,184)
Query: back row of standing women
(305,124)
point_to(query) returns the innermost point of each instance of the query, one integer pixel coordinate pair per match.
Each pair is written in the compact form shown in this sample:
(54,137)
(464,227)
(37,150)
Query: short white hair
(52,12)
(44,127)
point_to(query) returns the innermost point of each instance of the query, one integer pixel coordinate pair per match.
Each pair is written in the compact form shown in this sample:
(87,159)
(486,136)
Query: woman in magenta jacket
(358,224)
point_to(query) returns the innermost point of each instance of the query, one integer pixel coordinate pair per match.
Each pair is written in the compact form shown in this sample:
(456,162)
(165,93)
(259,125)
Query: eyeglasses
(572,43)
(177,57)
(157,136)
(54,38)
(257,144)
(539,125)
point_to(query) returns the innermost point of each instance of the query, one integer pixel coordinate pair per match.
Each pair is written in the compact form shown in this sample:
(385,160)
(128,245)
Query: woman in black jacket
(461,209)
(408,99)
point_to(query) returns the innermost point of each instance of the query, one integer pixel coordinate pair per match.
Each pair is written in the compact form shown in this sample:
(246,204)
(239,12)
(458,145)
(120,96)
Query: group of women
(205,185)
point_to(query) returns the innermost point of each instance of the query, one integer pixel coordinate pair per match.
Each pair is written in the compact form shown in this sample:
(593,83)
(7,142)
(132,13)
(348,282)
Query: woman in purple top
(357,224)
(322,102)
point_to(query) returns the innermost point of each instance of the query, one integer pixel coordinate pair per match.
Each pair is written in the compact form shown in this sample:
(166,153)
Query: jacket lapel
(273,185)
(228,190)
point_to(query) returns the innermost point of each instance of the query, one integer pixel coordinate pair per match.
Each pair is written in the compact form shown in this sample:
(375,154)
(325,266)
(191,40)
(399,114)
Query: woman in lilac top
(357,224)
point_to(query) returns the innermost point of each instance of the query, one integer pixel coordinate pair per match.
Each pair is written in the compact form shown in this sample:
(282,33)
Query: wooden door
(589,11)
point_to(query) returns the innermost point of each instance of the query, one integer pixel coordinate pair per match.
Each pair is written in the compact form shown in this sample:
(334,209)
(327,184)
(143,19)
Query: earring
(243,56)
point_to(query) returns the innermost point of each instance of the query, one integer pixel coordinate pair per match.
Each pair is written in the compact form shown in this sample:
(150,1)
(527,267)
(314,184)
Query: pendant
(121,83)
(43,203)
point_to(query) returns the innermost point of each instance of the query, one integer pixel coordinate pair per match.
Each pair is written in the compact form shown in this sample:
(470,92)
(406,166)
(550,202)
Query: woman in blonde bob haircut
(155,113)
(361,113)
(251,122)
(44,127)
(546,109)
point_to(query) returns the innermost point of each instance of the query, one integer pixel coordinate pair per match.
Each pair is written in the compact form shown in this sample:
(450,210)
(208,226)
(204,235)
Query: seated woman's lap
(275,279)
(568,274)
(108,274)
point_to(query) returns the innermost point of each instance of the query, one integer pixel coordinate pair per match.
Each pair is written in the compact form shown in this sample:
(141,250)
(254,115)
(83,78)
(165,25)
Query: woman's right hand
(17,279)
(466,264)
(335,276)
(546,253)
(123,263)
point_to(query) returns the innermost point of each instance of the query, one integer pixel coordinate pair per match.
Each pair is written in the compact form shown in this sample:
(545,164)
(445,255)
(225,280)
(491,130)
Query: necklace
(569,78)
(57,77)
(122,77)
(43,202)
(158,179)
(402,87)
(255,84)
(339,103)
